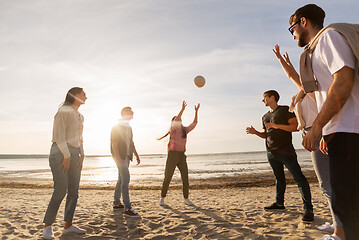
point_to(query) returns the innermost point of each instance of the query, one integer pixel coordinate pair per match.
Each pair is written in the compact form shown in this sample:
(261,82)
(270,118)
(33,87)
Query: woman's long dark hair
(184,131)
(70,96)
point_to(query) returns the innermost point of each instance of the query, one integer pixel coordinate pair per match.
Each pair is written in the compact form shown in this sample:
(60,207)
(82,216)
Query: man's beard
(303,39)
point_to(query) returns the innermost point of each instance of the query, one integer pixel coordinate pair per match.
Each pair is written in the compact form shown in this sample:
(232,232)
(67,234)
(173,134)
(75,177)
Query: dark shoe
(118,207)
(275,206)
(308,216)
(131,213)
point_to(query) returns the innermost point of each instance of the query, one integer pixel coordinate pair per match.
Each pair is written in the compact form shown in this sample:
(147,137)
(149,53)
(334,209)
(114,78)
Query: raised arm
(288,67)
(195,120)
(179,116)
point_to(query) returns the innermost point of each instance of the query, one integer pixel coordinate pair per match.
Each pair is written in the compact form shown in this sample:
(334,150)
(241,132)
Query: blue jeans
(343,150)
(277,161)
(122,185)
(321,167)
(63,182)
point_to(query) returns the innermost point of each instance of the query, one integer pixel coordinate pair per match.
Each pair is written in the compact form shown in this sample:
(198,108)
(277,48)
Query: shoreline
(240,181)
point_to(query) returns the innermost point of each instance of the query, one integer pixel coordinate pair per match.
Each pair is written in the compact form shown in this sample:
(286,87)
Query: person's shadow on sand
(125,225)
(211,216)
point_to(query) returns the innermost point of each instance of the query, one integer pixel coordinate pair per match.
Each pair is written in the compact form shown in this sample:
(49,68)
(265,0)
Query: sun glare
(97,128)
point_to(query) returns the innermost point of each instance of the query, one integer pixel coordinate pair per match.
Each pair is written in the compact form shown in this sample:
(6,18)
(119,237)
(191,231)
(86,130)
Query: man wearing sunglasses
(329,66)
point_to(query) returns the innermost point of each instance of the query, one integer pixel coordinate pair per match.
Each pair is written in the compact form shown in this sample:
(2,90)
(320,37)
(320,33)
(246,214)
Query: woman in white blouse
(66,158)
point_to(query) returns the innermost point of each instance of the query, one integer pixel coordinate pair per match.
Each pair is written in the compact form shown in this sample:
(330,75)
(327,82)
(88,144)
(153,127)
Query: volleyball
(199,81)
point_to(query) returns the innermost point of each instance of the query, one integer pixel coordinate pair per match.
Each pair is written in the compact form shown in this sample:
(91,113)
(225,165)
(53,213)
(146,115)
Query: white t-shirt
(330,55)
(310,110)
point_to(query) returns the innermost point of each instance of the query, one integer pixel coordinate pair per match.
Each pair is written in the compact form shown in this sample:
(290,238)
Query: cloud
(145,54)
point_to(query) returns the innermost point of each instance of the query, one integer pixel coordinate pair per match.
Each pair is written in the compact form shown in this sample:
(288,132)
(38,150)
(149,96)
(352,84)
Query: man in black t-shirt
(278,139)
(278,125)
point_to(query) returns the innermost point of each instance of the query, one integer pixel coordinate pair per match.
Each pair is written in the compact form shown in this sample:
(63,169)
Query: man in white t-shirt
(335,69)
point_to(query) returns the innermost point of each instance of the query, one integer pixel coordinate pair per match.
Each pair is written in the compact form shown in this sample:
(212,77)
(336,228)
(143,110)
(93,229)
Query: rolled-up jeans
(321,165)
(122,185)
(63,183)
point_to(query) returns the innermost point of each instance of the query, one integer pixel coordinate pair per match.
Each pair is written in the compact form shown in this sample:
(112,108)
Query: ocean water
(102,171)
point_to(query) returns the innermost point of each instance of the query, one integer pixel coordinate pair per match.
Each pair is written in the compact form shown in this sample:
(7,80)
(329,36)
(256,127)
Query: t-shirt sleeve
(286,113)
(335,51)
(291,115)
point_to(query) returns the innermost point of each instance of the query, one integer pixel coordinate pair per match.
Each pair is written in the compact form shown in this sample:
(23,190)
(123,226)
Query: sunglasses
(290,29)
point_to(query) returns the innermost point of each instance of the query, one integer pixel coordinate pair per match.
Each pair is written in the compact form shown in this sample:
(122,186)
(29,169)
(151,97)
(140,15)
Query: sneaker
(326,227)
(188,202)
(47,233)
(330,237)
(275,206)
(131,213)
(73,229)
(162,201)
(308,216)
(118,207)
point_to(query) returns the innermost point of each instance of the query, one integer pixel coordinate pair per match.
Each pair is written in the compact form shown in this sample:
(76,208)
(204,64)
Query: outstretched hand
(184,105)
(250,130)
(276,51)
(197,107)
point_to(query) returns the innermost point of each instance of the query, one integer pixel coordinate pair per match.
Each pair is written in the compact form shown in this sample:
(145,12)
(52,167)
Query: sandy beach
(220,213)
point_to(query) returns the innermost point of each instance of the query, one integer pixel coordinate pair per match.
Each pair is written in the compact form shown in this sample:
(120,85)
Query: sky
(145,54)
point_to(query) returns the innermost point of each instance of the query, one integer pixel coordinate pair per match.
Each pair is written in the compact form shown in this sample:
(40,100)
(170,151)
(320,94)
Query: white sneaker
(73,229)
(330,237)
(47,233)
(188,202)
(162,201)
(326,227)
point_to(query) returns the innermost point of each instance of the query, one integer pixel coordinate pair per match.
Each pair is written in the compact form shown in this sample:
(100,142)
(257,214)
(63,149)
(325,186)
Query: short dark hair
(312,12)
(126,111)
(272,93)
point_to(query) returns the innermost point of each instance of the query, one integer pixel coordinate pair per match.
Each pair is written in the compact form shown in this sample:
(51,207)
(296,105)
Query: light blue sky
(145,54)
